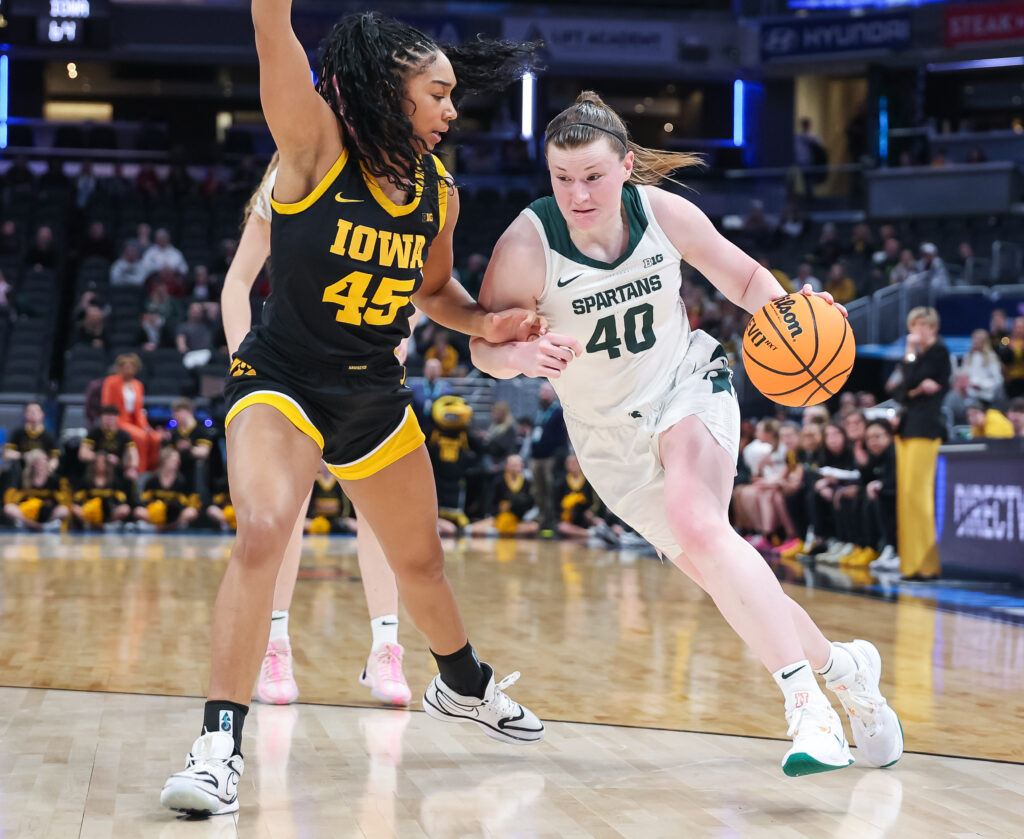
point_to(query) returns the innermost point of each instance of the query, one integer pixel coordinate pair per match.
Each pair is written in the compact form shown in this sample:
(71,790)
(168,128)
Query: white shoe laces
(277,665)
(389,664)
(505,704)
(813,714)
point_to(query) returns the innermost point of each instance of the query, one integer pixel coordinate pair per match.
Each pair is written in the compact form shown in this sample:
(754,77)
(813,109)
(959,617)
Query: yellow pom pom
(506,524)
(569,502)
(30,508)
(319,526)
(229,516)
(92,511)
(157,512)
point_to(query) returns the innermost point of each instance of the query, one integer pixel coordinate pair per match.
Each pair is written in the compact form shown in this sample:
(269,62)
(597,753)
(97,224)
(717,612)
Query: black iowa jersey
(115,442)
(25,440)
(345,261)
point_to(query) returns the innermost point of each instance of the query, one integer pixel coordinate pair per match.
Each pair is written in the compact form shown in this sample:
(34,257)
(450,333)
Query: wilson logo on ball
(784,306)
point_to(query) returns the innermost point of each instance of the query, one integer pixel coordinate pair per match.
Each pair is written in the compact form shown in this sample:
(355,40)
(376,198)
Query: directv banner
(606,42)
(980,512)
(817,36)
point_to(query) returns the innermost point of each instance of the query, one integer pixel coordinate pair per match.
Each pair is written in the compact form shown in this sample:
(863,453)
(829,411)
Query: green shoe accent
(894,762)
(801,763)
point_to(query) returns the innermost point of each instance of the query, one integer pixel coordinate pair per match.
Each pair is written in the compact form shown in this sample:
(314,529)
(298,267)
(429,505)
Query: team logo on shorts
(241,368)
(721,380)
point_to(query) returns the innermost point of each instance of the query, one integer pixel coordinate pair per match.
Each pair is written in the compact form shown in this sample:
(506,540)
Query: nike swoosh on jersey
(342,200)
(562,283)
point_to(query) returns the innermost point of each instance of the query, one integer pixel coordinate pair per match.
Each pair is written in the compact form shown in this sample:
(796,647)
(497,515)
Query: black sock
(462,672)
(220,715)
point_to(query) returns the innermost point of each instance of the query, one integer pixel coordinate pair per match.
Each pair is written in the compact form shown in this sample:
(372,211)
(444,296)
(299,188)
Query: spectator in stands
(166,500)
(97,243)
(190,439)
(836,469)
(144,236)
(126,392)
(757,229)
(921,383)
(162,254)
(976,154)
(760,504)
(816,415)
(153,332)
(986,421)
(931,270)
(160,300)
(329,510)
(42,254)
(41,503)
(847,405)
(20,180)
(179,182)
(512,501)
(91,328)
(839,285)
(85,184)
(866,399)
(113,444)
(103,499)
(1012,357)
(473,275)
(878,486)
(210,186)
(428,391)
(577,504)
(809,150)
(550,440)
(855,425)
(999,335)
(883,262)
(981,369)
(32,436)
(201,289)
(225,256)
(10,241)
(128,270)
(940,157)
(443,351)
(797,484)
(8,310)
(861,245)
(792,223)
(829,250)
(195,336)
(805,276)
(904,269)
(1015,414)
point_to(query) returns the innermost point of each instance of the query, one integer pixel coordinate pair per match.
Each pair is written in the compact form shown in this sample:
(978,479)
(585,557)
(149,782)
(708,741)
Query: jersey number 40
(637,329)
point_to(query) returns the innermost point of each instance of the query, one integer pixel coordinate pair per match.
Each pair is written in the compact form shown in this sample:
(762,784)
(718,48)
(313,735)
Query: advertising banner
(798,37)
(611,42)
(981,24)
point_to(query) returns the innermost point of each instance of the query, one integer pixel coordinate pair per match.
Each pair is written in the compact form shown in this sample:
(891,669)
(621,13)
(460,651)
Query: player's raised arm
(299,119)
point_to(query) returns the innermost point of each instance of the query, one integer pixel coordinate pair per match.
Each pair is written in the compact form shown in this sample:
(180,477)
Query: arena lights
(737,112)
(4,80)
(883,128)
(976,64)
(526,119)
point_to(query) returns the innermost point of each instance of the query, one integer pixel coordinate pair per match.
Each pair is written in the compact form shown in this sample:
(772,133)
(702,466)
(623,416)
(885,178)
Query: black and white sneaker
(500,716)
(208,785)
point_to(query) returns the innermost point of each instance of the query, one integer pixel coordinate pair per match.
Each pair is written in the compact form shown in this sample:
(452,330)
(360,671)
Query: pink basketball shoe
(383,675)
(276,685)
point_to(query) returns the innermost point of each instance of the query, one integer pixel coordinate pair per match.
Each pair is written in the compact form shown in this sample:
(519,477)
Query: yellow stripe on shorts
(406,438)
(286,405)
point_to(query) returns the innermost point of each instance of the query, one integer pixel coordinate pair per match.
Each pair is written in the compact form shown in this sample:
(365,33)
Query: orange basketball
(798,350)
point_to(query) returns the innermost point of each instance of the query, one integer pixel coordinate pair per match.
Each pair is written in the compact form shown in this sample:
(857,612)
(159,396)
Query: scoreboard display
(81,23)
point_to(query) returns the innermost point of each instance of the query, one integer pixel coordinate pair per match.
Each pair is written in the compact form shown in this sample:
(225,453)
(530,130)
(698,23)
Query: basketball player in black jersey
(362,229)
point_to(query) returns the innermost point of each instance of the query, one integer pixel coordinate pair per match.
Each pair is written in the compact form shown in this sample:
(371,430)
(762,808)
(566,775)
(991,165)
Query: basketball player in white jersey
(650,407)
(382,672)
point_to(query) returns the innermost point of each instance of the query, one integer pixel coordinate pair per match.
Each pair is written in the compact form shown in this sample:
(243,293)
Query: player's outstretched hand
(824,295)
(514,325)
(546,356)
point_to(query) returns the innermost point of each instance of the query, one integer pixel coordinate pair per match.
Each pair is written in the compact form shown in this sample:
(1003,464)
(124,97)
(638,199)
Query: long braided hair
(363,64)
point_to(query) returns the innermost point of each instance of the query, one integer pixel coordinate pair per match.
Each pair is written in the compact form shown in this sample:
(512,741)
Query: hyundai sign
(817,36)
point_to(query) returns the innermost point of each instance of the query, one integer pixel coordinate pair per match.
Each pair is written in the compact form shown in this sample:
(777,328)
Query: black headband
(597,128)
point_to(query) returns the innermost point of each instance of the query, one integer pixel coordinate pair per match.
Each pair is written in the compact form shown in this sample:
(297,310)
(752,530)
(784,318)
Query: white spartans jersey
(627,314)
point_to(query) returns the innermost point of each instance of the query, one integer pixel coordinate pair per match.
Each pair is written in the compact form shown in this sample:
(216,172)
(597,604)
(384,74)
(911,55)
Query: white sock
(385,630)
(839,665)
(279,625)
(797,683)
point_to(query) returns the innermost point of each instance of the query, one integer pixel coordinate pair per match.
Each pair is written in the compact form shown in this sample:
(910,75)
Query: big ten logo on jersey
(651,261)
(386,249)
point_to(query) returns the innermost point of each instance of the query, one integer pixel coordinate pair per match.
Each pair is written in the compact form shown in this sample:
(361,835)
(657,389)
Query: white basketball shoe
(876,728)
(208,785)
(500,716)
(819,743)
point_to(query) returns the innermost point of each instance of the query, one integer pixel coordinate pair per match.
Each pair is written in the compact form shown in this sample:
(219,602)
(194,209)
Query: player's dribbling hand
(546,356)
(514,325)
(824,295)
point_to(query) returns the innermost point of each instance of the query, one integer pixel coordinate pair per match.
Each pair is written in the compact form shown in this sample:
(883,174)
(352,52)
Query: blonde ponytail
(589,119)
(254,198)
